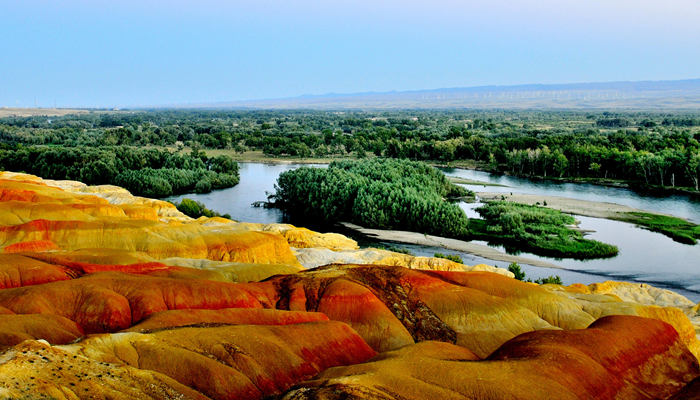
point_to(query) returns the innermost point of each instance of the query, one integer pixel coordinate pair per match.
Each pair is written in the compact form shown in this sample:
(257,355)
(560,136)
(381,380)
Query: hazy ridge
(647,95)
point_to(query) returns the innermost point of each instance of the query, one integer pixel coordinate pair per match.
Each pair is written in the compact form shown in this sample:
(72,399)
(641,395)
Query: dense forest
(146,172)
(659,150)
(379,193)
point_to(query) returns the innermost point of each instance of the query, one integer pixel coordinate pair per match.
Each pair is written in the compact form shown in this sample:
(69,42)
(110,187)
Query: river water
(644,256)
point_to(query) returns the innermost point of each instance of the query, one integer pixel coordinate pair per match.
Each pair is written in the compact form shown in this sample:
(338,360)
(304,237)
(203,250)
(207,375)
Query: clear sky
(157,52)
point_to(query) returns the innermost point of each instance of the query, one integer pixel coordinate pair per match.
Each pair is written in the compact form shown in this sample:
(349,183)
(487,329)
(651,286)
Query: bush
(520,275)
(517,271)
(552,279)
(452,257)
(203,186)
(196,209)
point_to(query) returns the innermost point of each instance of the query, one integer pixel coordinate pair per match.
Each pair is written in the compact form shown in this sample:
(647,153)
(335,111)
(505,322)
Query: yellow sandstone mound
(318,256)
(36,370)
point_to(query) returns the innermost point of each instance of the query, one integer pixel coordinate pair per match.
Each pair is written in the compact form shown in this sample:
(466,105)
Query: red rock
(225,316)
(618,357)
(34,245)
(15,328)
(112,301)
(234,361)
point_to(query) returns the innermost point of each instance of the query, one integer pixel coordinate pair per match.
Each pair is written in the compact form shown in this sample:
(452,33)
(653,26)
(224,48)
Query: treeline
(645,148)
(385,194)
(145,172)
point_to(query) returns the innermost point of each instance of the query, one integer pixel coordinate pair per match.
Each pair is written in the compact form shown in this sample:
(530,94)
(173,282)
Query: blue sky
(97,53)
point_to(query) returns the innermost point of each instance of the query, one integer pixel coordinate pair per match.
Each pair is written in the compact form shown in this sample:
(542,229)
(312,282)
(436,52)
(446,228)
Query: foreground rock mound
(604,361)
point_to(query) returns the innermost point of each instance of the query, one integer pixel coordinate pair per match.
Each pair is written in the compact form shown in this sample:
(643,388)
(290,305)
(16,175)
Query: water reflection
(679,205)
(257,179)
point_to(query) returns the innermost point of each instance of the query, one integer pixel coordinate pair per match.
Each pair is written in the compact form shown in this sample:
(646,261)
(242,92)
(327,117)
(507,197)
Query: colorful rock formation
(107,295)
(603,361)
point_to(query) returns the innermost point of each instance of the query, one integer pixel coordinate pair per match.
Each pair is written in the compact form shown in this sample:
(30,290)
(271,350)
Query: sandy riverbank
(564,204)
(446,243)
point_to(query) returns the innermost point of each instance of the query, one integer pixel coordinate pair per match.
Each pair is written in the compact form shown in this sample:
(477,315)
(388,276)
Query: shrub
(517,271)
(203,186)
(452,257)
(196,209)
(552,279)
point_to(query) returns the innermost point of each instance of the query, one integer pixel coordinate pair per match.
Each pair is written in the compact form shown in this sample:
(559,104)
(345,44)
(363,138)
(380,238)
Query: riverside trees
(387,194)
(146,172)
(646,149)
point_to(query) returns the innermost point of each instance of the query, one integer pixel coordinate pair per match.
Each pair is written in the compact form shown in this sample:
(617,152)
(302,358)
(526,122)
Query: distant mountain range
(643,95)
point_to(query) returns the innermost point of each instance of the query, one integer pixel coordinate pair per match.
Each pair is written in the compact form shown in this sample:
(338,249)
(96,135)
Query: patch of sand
(571,206)
(446,243)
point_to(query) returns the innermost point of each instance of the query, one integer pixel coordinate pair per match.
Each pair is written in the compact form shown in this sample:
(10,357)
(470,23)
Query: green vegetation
(517,271)
(196,209)
(464,181)
(385,194)
(408,195)
(658,150)
(394,249)
(145,172)
(551,279)
(452,257)
(536,229)
(677,229)
(520,275)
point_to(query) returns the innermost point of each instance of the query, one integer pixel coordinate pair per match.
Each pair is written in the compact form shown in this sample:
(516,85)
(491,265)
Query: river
(644,257)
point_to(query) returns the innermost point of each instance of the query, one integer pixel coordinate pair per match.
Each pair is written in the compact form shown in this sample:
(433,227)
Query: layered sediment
(107,295)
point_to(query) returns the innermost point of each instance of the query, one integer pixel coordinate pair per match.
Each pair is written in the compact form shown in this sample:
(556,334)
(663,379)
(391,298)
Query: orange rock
(19,270)
(79,259)
(234,362)
(31,246)
(605,361)
(16,328)
(33,369)
(690,392)
(356,305)
(228,316)
(112,301)
(556,310)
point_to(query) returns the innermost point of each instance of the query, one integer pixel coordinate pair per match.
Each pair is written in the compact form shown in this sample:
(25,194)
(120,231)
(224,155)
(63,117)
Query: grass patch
(465,181)
(394,249)
(196,209)
(519,274)
(677,229)
(452,257)
(539,230)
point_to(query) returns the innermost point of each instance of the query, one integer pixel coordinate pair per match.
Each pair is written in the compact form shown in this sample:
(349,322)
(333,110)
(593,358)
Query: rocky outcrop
(319,256)
(603,361)
(37,370)
(233,361)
